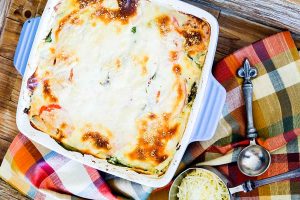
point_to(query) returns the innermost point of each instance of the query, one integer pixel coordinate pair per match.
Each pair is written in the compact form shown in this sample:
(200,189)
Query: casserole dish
(207,121)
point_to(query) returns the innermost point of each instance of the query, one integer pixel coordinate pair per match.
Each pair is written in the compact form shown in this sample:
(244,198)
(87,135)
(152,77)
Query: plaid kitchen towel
(43,174)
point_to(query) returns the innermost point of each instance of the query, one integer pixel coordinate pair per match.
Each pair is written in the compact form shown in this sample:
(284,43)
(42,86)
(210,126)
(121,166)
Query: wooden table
(242,22)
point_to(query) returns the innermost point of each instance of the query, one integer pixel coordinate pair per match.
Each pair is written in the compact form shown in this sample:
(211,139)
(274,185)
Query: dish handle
(212,106)
(25,43)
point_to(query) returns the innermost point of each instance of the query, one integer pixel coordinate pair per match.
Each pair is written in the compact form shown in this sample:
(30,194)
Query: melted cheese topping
(116,79)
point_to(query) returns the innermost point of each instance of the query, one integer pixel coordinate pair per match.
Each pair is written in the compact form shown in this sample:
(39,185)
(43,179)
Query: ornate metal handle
(247,72)
(251,185)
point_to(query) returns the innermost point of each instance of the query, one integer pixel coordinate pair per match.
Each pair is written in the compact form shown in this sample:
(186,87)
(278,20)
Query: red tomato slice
(49,108)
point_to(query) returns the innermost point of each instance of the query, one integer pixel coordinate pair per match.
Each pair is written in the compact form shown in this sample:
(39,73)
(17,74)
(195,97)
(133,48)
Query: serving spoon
(253,160)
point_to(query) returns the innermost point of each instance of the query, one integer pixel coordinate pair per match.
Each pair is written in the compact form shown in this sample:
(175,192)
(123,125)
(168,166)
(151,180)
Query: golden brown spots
(179,92)
(59,135)
(52,50)
(180,88)
(70,17)
(146,58)
(173,56)
(163,23)
(142,61)
(196,33)
(154,135)
(84,3)
(71,75)
(206,31)
(157,96)
(47,73)
(118,63)
(192,38)
(166,116)
(48,93)
(144,64)
(152,116)
(62,57)
(63,125)
(99,141)
(126,10)
(94,24)
(176,69)
(76,21)
(66,57)
(180,95)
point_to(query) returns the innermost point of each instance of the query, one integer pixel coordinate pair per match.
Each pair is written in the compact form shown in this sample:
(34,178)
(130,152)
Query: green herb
(115,161)
(112,160)
(198,65)
(67,147)
(133,29)
(193,93)
(190,57)
(48,37)
(197,58)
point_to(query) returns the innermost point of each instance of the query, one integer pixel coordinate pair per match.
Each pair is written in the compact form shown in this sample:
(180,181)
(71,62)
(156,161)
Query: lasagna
(116,79)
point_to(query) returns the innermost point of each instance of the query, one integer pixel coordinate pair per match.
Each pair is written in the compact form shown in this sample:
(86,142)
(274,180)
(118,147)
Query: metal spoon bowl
(253,160)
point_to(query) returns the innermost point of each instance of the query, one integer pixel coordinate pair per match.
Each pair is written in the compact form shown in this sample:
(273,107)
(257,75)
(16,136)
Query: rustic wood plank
(237,32)
(3,148)
(8,127)
(14,97)
(7,78)
(4,7)
(213,11)
(41,7)
(21,10)
(10,38)
(9,86)
(9,193)
(275,13)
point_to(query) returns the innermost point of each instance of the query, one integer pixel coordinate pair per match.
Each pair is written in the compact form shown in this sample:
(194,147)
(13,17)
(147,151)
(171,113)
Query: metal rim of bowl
(173,192)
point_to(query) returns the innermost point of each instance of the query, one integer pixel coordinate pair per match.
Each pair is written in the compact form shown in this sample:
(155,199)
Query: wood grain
(10,37)
(213,11)
(9,193)
(4,7)
(21,10)
(7,77)
(237,32)
(283,14)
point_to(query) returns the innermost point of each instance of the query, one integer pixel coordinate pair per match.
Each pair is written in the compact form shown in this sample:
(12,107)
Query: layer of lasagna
(117,78)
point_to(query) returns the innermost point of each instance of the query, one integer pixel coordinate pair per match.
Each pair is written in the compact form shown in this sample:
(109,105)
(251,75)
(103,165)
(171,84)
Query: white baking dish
(203,118)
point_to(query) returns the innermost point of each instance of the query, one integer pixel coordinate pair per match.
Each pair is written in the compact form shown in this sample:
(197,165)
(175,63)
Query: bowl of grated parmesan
(198,184)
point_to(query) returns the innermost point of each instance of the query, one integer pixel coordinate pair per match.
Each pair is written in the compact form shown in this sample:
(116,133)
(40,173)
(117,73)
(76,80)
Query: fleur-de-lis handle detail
(247,72)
